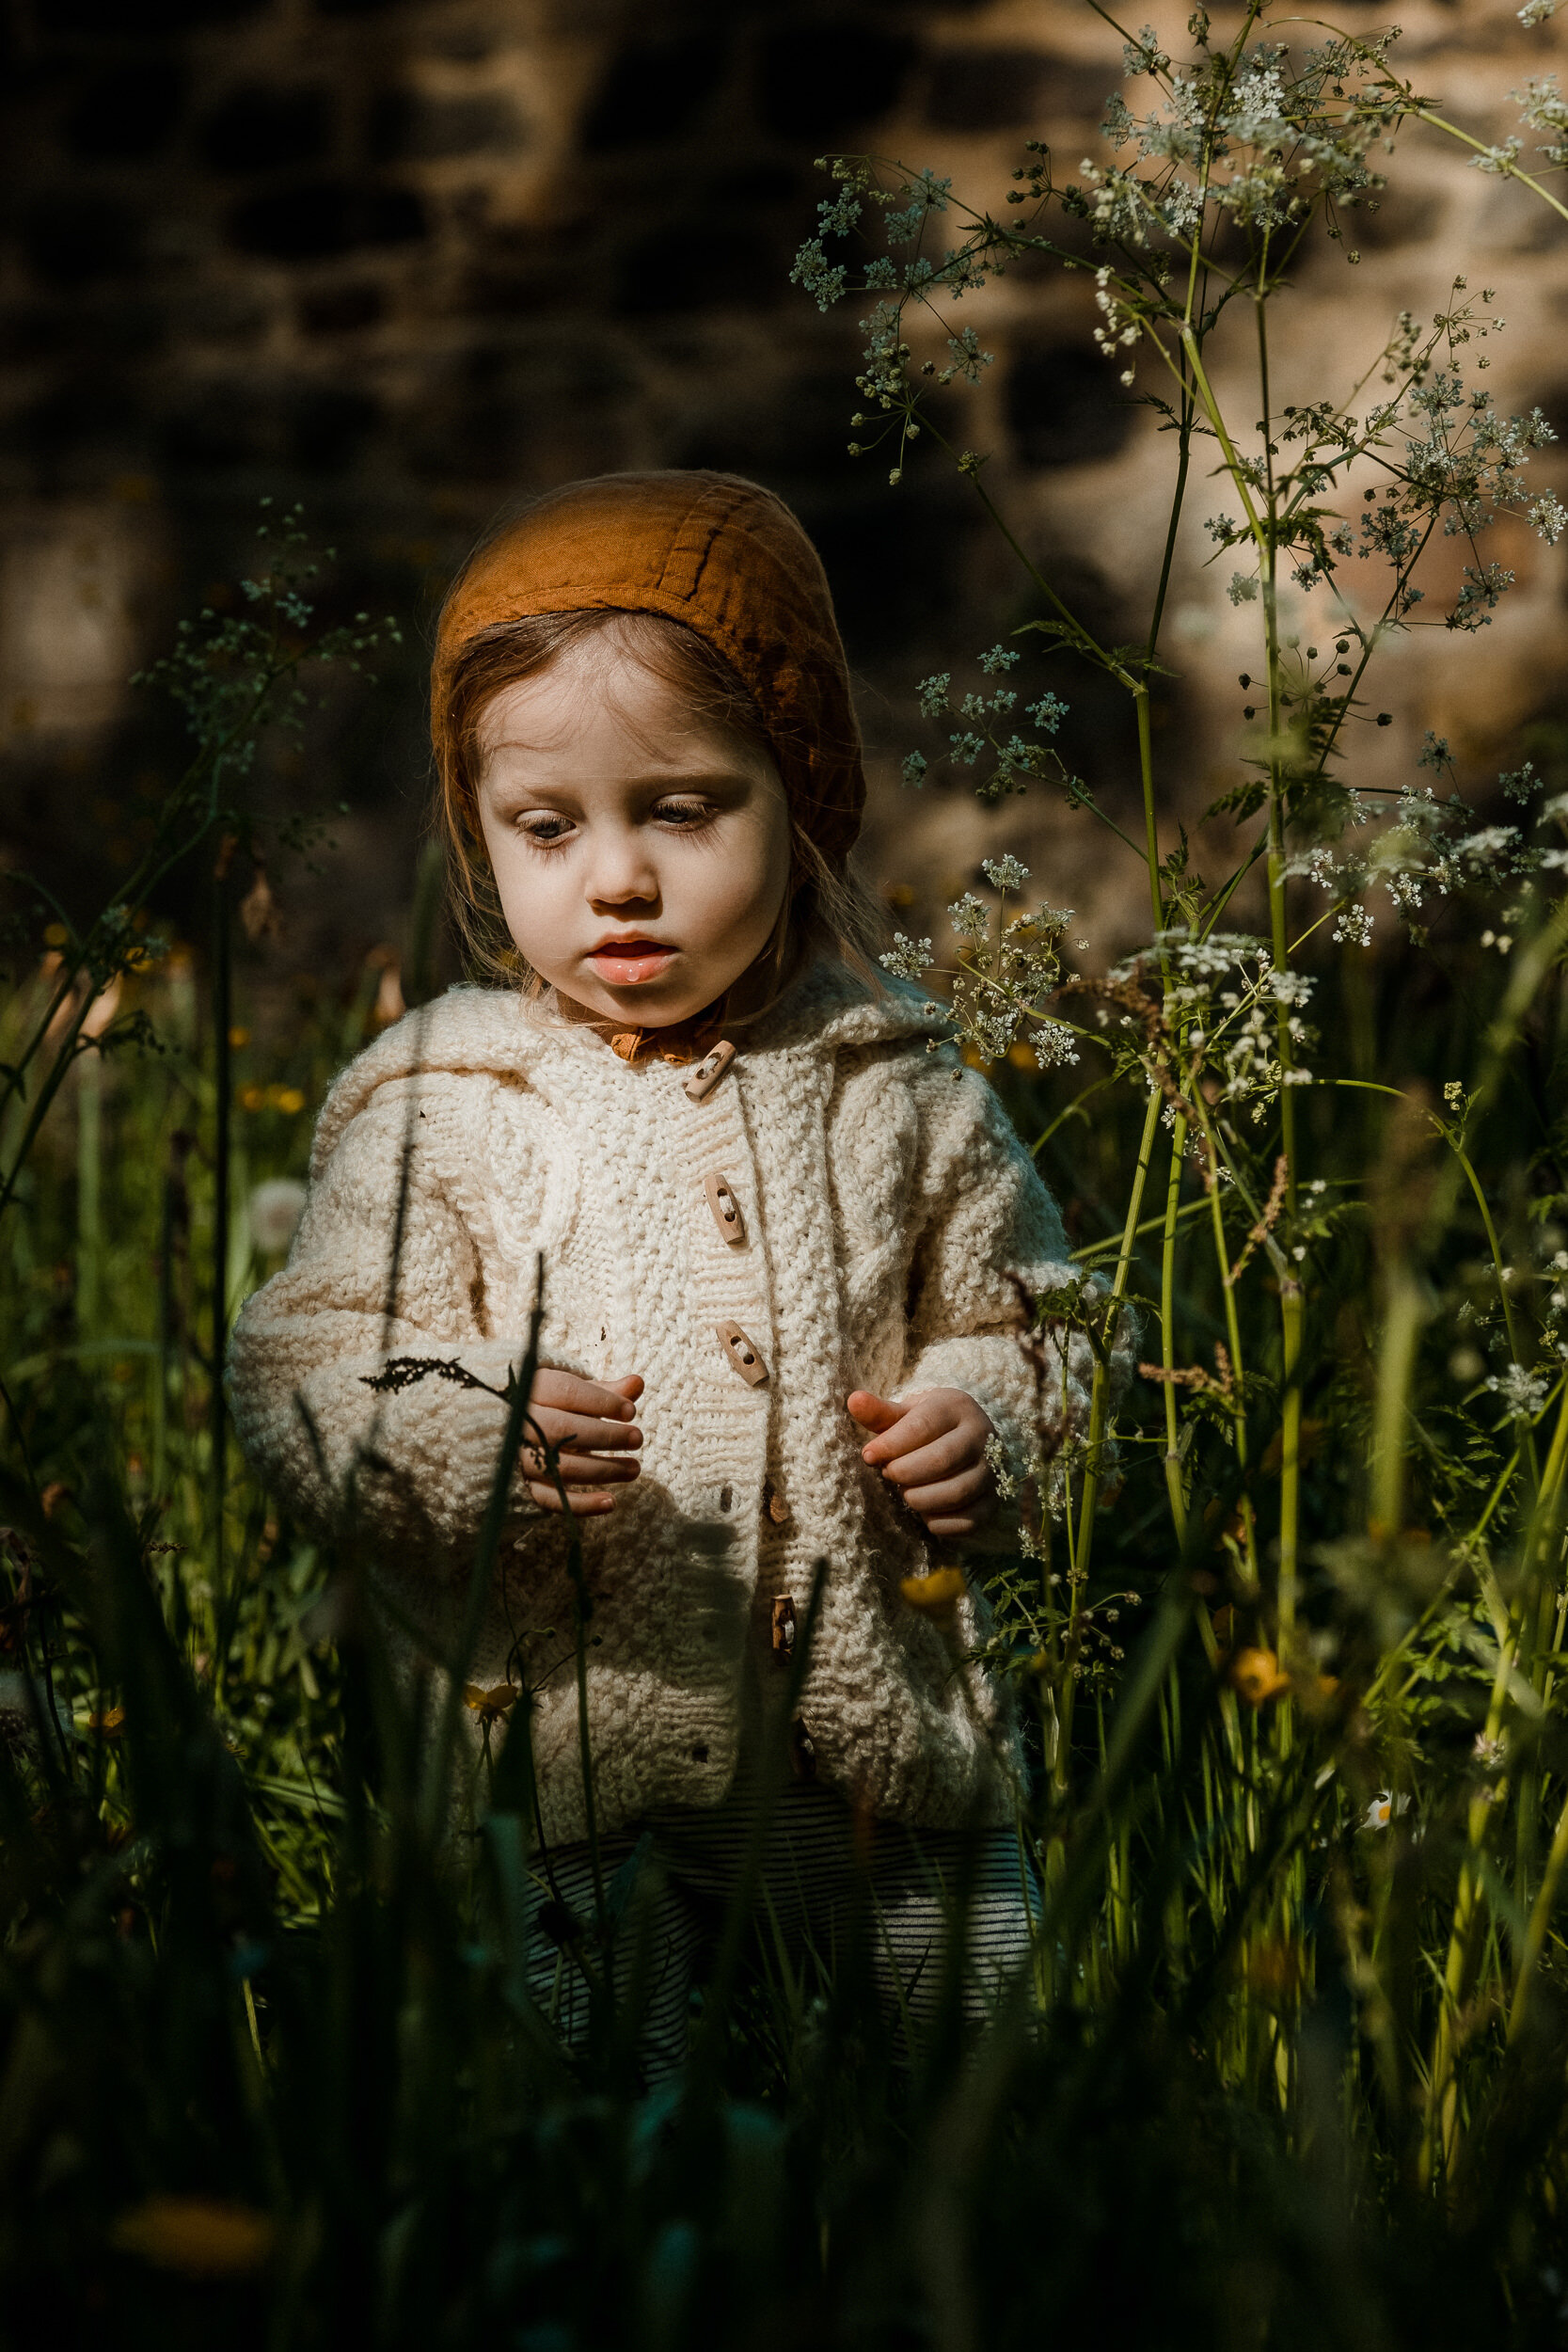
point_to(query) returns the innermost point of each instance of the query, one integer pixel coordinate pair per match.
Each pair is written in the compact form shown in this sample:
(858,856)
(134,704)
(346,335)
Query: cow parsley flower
(1056,1045)
(1549,516)
(907,959)
(1523,1392)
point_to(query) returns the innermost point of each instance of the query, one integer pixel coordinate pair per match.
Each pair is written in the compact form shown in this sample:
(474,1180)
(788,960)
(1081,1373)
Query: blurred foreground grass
(269,2067)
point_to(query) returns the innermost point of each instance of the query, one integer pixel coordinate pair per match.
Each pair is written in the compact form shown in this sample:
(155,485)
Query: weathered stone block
(125,115)
(652,91)
(74,239)
(409,125)
(340,310)
(817,81)
(260,128)
(320,217)
(1064,406)
(984,89)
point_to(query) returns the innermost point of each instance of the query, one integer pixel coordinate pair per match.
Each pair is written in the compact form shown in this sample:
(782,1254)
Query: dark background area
(406,263)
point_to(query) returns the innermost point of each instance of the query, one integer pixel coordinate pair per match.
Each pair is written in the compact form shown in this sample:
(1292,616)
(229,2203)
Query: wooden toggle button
(783,1629)
(744,1353)
(710,1071)
(725,1207)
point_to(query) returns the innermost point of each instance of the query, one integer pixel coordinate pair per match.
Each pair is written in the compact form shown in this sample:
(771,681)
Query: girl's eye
(544,831)
(684,813)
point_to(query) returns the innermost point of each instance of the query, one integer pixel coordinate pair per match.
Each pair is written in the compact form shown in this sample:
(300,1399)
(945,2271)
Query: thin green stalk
(1514,1350)
(1293,1318)
(165,1335)
(1538,1922)
(1426,114)
(1178,500)
(1228,1289)
(1542,1563)
(1145,772)
(1440,2139)
(1100,1398)
(1233,462)
(1167,1330)
(90,1203)
(222,1108)
(1088,1250)
(1405,1311)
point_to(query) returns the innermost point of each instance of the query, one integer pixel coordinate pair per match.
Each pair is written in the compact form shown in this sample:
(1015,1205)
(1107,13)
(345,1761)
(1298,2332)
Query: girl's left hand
(933,1447)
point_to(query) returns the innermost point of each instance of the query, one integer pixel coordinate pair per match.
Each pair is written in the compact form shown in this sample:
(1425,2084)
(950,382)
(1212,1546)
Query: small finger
(947,1494)
(592,1436)
(586,1435)
(566,1392)
(950,1530)
(919,1426)
(872,1412)
(590,1504)
(941,1458)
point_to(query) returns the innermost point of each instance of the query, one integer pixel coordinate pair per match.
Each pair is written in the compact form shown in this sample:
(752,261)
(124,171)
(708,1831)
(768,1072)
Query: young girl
(779,1224)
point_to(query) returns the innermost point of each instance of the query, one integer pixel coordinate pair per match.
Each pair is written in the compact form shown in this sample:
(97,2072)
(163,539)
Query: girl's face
(641,855)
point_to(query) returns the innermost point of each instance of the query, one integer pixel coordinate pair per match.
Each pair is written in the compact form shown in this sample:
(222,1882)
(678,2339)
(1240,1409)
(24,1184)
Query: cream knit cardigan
(886,1203)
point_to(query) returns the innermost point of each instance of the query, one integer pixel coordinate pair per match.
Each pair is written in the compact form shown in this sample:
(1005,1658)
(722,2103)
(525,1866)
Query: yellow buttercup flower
(205,2237)
(1257,1676)
(492,1703)
(938,1591)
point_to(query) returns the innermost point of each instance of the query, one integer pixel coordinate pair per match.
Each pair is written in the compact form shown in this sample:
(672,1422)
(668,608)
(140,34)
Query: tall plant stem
(1228,1289)
(1291,1300)
(1167,1330)
(1442,2128)
(1440,2139)
(1178,500)
(1151,835)
(1539,1920)
(1425,113)
(1293,1318)
(1100,1397)
(1404,1313)
(1540,1604)
(89,1206)
(223,1085)
(1493,1244)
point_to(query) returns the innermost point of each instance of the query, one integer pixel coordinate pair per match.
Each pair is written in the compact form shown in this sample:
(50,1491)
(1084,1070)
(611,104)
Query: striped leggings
(821,1869)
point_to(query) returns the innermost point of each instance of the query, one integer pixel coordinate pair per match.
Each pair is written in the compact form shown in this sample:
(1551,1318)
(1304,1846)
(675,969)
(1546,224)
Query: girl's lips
(626,966)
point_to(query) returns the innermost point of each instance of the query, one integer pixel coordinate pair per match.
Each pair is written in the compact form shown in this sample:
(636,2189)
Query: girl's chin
(646,1003)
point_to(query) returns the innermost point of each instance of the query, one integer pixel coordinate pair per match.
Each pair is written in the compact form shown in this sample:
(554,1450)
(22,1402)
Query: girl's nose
(621,870)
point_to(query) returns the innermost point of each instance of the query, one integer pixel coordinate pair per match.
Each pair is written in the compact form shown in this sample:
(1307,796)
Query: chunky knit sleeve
(417,1462)
(988,1225)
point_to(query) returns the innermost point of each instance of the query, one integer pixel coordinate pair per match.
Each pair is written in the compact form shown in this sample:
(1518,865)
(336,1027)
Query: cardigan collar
(500,1031)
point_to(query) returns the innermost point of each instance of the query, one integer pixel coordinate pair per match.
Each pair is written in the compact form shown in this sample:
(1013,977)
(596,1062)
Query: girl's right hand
(593,1423)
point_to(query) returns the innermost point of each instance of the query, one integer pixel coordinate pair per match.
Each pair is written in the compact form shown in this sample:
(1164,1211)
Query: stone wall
(404,263)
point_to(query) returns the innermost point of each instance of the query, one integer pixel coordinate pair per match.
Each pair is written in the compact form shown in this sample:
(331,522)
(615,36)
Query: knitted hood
(719,554)
(492,1029)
